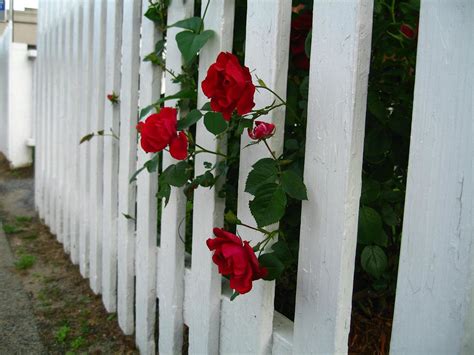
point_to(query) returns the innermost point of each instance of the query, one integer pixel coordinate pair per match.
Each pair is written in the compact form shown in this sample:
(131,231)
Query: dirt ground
(69,317)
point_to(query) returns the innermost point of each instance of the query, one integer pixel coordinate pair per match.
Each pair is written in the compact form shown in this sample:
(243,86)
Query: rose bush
(235,258)
(159,130)
(229,86)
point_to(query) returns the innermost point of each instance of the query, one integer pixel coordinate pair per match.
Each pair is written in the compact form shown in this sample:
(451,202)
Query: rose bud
(262,130)
(159,131)
(229,86)
(235,258)
(113,97)
(407,31)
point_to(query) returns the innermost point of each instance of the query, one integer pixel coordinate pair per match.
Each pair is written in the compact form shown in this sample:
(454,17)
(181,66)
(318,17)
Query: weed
(78,343)
(62,334)
(23,219)
(25,262)
(112,316)
(11,229)
(30,237)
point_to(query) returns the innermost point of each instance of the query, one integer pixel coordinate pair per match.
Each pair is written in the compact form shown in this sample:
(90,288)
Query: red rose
(407,31)
(300,27)
(262,130)
(229,86)
(236,259)
(159,130)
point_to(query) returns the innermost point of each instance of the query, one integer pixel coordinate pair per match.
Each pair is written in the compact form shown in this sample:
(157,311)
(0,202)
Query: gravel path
(18,332)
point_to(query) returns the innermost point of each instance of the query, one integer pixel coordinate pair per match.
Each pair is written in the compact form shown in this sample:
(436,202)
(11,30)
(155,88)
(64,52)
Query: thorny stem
(261,230)
(204,150)
(269,149)
(204,15)
(277,96)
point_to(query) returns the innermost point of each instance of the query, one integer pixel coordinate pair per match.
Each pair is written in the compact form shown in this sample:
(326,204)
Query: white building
(17,54)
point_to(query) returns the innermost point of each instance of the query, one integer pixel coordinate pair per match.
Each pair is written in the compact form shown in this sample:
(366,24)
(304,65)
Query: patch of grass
(23,219)
(112,316)
(62,333)
(30,237)
(25,262)
(77,343)
(11,229)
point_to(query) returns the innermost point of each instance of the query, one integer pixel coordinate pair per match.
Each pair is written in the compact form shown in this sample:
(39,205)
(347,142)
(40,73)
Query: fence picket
(96,160)
(171,280)
(68,131)
(58,120)
(204,327)
(268,56)
(84,242)
(39,106)
(434,307)
(127,165)
(111,155)
(74,207)
(334,145)
(147,187)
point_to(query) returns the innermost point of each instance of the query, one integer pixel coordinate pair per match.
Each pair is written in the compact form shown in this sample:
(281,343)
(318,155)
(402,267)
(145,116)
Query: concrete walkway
(18,332)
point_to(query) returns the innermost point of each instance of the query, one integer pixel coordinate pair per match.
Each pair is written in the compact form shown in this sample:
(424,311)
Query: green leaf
(273,264)
(86,138)
(293,185)
(282,250)
(370,191)
(152,164)
(215,123)
(205,180)
(370,226)
(164,191)
(160,46)
(373,260)
(264,171)
(152,14)
(389,216)
(231,218)
(127,216)
(234,295)
(189,43)
(176,174)
(135,174)
(307,44)
(192,23)
(191,118)
(376,107)
(183,94)
(269,204)
(244,124)
(145,111)
(206,107)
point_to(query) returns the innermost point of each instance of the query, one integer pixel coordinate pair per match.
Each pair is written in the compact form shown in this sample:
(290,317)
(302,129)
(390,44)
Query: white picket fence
(88,48)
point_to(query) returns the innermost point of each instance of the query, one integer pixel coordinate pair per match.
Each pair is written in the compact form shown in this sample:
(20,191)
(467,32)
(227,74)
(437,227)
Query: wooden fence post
(204,327)
(113,60)
(434,309)
(127,165)
(147,187)
(333,162)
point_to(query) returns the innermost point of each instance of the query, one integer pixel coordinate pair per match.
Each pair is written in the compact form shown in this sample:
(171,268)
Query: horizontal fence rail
(110,226)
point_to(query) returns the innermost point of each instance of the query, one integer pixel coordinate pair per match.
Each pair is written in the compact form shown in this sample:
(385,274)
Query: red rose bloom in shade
(229,86)
(407,31)
(159,130)
(262,130)
(236,259)
(300,27)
